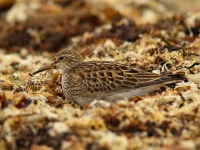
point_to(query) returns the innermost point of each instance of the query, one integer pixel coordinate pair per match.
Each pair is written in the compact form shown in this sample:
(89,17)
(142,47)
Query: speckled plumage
(82,82)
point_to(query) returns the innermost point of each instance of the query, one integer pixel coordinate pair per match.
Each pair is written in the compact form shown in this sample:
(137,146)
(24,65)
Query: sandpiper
(83,82)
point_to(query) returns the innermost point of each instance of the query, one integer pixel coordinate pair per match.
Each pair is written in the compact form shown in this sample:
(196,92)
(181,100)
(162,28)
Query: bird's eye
(61,58)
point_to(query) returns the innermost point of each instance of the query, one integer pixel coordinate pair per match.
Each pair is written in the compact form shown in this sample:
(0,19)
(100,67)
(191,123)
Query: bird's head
(64,60)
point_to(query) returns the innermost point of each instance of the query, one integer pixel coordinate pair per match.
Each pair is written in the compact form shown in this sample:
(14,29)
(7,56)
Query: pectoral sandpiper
(83,82)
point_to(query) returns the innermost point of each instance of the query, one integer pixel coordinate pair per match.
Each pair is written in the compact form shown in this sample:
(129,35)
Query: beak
(47,67)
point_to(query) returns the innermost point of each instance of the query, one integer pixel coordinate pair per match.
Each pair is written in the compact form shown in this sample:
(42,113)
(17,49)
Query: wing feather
(110,76)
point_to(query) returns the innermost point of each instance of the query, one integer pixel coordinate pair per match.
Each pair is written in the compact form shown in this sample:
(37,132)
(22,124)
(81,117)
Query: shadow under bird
(83,82)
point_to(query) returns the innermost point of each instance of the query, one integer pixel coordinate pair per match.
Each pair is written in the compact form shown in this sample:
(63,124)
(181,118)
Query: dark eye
(61,58)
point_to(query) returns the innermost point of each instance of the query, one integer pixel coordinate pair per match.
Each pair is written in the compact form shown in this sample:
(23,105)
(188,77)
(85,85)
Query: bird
(83,82)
